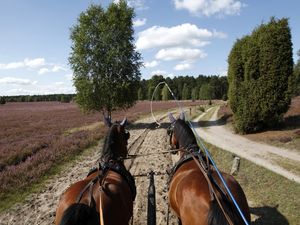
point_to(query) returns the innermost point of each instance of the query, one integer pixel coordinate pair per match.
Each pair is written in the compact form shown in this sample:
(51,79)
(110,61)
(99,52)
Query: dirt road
(39,208)
(264,155)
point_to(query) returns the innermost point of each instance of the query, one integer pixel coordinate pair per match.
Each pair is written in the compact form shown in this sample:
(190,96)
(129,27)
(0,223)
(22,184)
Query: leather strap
(213,192)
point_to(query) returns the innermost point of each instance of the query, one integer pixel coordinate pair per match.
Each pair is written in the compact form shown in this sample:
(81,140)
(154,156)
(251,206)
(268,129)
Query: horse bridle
(170,132)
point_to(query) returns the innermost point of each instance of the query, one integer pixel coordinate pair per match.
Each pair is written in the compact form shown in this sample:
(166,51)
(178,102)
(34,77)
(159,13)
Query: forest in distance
(184,88)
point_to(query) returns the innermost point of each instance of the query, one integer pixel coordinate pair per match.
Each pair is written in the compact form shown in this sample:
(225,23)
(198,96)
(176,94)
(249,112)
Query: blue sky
(175,37)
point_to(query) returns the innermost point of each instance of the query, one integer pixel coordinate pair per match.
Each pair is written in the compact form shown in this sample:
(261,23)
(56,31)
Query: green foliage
(201,108)
(65,99)
(260,76)
(2,100)
(165,94)
(206,92)
(186,93)
(296,82)
(140,94)
(187,87)
(103,58)
(194,93)
(150,92)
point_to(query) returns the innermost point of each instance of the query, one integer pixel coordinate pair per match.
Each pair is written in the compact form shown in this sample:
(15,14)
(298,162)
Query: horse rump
(217,217)
(80,214)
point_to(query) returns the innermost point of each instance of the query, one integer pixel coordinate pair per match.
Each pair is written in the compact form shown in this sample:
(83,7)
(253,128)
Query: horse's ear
(107,121)
(171,117)
(182,117)
(124,122)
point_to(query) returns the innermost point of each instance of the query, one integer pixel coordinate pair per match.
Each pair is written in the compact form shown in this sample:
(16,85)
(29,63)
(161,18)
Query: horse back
(189,195)
(191,200)
(116,198)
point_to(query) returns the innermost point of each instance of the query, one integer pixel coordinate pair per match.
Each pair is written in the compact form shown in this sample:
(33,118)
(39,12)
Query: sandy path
(261,154)
(39,208)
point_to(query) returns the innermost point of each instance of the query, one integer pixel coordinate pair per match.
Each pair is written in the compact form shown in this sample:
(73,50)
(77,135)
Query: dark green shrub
(260,74)
(2,100)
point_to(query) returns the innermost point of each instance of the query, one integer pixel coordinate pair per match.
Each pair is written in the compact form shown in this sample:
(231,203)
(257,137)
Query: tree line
(184,88)
(65,98)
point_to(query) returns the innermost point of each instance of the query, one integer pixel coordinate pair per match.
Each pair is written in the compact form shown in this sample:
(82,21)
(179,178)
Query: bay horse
(196,193)
(106,195)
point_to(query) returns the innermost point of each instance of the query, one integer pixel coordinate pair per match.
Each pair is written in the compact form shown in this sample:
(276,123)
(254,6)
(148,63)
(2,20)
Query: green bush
(260,74)
(201,108)
(2,100)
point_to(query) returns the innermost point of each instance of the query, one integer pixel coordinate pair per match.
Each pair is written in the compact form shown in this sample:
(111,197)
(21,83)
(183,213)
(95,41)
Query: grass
(90,127)
(273,198)
(205,119)
(290,165)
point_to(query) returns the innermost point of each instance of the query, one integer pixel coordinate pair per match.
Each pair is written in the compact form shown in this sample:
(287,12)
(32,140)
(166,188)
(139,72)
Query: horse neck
(112,149)
(186,138)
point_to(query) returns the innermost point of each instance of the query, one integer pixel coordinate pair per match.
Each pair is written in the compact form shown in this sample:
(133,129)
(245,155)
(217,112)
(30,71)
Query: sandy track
(39,208)
(261,154)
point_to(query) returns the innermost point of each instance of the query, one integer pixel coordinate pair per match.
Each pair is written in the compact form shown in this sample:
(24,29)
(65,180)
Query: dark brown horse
(106,195)
(196,193)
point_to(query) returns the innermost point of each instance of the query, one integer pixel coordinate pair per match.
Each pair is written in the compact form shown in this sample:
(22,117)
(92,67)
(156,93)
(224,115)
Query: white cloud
(152,64)
(185,34)
(29,63)
(137,4)
(139,22)
(12,65)
(40,90)
(158,72)
(33,88)
(69,76)
(55,68)
(210,7)
(17,81)
(182,54)
(34,63)
(161,72)
(44,70)
(183,66)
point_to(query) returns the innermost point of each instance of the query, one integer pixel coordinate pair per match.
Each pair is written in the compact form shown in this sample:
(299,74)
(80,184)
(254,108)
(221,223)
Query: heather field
(36,136)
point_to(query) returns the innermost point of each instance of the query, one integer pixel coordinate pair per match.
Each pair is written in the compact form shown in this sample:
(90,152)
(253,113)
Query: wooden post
(235,165)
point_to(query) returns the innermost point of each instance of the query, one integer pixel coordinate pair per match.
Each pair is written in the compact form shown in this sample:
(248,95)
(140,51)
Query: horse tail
(78,214)
(216,215)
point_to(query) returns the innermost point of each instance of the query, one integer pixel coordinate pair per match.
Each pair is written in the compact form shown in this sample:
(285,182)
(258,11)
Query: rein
(206,174)
(213,193)
(155,153)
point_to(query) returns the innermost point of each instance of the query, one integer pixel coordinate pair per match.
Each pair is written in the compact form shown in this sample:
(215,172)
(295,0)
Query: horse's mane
(184,133)
(108,152)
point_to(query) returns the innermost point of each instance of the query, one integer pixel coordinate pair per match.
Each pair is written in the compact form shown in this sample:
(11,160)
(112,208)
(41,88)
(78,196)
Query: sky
(174,37)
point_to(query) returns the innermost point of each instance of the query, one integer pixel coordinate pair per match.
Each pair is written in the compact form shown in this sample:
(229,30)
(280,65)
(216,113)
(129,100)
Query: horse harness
(204,165)
(102,171)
